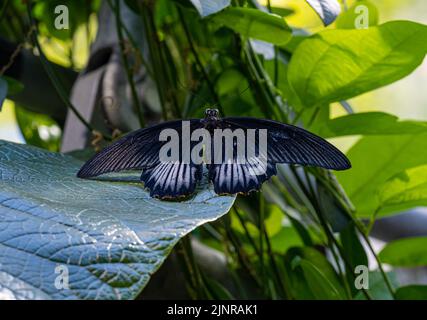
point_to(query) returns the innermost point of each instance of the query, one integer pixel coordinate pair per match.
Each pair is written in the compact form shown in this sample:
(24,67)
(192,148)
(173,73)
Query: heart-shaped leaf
(101,239)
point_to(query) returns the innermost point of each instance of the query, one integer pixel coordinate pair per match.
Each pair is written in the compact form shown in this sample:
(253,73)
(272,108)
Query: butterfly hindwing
(232,178)
(172,180)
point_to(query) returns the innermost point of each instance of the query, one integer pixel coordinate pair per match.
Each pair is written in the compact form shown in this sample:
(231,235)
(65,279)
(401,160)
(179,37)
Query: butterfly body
(230,173)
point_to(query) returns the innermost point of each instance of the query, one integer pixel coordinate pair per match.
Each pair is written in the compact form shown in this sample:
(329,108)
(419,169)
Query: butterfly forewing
(293,145)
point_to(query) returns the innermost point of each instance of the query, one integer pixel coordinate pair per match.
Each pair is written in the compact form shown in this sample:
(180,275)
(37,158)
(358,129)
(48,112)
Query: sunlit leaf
(335,65)
(405,190)
(369,123)
(375,159)
(110,236)
(253,23)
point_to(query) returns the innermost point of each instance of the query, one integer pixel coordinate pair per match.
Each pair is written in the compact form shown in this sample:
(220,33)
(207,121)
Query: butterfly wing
(294,145)
(232,178)
(168,180)
(141,150)
(285,144)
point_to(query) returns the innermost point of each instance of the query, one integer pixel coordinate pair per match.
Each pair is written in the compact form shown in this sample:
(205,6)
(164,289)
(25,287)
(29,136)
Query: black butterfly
(167,180)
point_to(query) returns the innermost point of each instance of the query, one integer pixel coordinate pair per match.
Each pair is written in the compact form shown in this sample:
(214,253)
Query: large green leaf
(375,159)
(335,65)
(253,23)
(109,234)
(405,190)
(369,123)
(407,252)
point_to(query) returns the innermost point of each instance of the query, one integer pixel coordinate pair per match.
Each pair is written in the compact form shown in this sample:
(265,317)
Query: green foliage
(252,23)
(377,288)
(351,244)
(38,130)
(335,65)
(110,235)
(376,159)
(412,292)
(369,123)
(407,252)
(79,12)
(311,275)
(405,190)
(13,86)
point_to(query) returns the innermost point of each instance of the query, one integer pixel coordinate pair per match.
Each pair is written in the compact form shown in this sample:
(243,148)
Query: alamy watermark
(362,19)
(361,280)
(217,146)
(62,280)
(62,20)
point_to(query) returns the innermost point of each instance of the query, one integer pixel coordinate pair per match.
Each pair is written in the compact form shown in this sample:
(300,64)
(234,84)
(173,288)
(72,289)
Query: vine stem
(53,77)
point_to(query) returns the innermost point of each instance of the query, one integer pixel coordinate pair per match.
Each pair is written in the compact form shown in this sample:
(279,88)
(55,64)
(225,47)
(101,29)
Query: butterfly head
(211,114)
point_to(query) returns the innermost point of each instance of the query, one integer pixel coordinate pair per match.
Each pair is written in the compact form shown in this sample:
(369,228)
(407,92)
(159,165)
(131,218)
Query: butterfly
(282,143)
